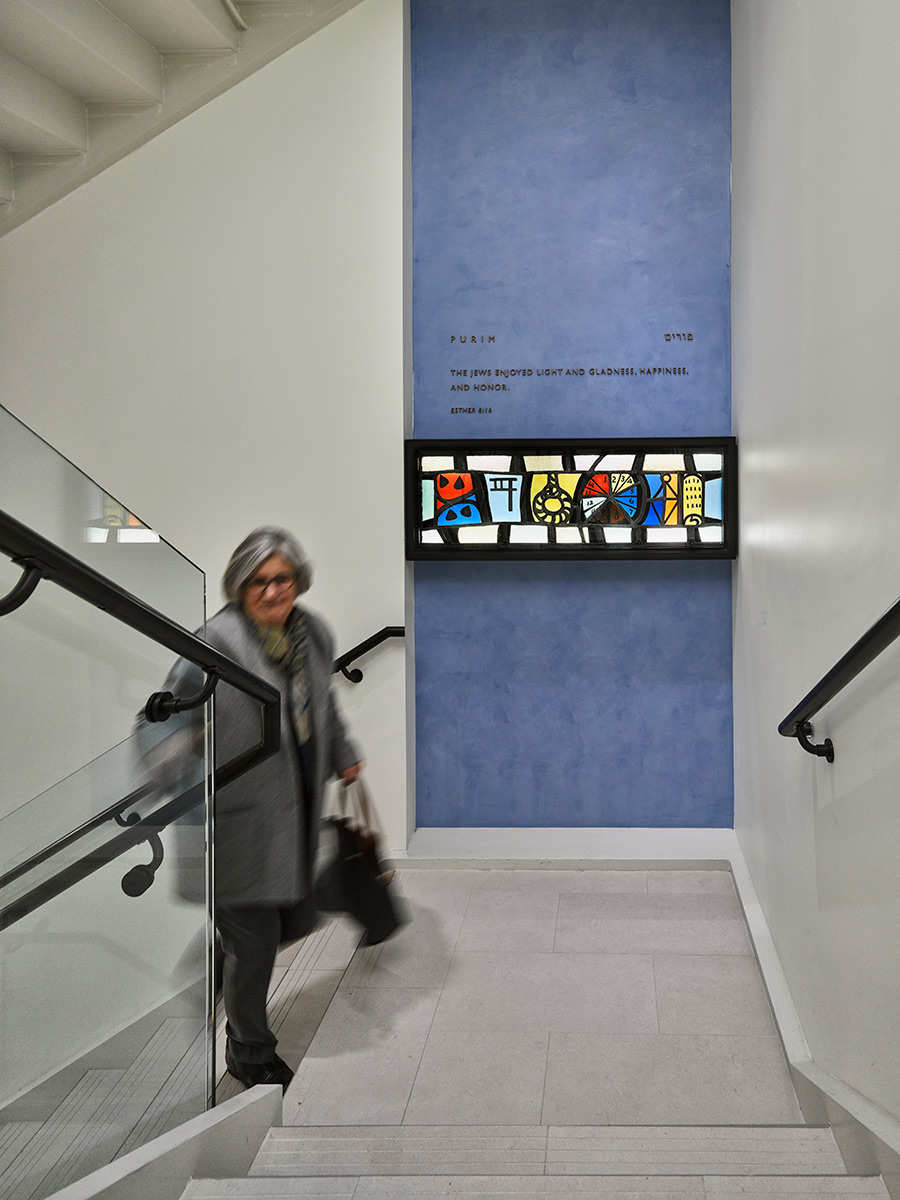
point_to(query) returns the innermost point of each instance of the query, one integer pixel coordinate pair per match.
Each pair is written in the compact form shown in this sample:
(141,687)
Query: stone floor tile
(602,993)
(832,1187)
(277,1189)
(635,1079)
(714,994)
(674,924)
(705,883)
(506,920)
(363,1061)
(469,1078)
(495,990)
(564,880)
(529,1187)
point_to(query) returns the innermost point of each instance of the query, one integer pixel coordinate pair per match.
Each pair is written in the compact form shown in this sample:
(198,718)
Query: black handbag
(354,881)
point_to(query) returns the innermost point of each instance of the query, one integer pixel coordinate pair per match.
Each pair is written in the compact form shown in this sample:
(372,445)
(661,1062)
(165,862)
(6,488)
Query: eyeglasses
(260,586)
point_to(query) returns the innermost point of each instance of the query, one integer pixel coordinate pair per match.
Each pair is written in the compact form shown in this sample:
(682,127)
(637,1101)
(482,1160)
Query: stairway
(549,1033)
(565,1031)
(546,1162)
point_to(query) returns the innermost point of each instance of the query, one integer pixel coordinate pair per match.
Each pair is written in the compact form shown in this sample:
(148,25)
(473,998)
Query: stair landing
(549,1033)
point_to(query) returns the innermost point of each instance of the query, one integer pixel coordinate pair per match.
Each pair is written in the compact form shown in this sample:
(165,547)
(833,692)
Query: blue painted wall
(571,209)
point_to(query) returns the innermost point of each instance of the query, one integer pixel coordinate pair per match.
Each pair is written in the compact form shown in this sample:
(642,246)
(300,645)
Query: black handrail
(797,723)
(355,676)
(33,552)
(41,559)
(132,835)
(112,813)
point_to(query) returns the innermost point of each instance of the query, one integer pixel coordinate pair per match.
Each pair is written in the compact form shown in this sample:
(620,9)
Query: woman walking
(266,822)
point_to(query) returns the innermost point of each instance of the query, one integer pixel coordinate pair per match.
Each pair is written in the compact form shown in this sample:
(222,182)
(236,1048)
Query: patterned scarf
(287,649)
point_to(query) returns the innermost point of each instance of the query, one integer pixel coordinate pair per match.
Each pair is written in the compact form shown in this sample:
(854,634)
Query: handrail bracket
(136,881)
(805,732)
(162,705)
(354,674)
(32,574)
(876,640)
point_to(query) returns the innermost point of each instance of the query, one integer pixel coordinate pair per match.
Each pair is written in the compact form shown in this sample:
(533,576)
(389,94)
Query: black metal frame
(797,723)
(415,447)
(42,559)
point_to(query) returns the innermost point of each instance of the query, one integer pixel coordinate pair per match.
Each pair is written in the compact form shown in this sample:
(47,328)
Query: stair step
(529,1187)
(547,1150)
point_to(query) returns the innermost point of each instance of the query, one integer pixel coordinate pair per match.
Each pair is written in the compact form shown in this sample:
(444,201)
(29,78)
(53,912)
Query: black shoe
(250,1074)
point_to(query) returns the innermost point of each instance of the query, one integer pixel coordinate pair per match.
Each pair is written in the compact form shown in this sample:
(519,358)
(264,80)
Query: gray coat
(262,852)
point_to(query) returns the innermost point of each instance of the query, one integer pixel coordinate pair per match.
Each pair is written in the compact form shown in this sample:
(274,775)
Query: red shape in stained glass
(453,484)
(597,485)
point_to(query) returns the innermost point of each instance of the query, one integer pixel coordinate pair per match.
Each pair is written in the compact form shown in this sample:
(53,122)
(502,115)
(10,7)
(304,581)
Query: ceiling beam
(179,26)
(84,48)
(191,79)
(37,116)
(7,185)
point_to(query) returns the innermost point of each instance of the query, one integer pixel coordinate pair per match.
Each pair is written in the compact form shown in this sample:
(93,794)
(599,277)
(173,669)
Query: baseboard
(625,849)
(867,1137)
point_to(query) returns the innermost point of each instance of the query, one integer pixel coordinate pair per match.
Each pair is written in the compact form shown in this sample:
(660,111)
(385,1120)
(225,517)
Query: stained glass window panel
(613,498)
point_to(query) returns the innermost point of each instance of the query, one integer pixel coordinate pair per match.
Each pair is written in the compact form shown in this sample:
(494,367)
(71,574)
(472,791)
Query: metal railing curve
(798,722)
(342,664)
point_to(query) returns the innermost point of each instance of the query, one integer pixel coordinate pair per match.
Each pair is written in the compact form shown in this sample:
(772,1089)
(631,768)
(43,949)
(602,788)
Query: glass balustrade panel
(74,678)
(105,1014)
(105,1029)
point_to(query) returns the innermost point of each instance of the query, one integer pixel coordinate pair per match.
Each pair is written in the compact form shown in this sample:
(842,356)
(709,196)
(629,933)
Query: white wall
(213,330)
(816,315)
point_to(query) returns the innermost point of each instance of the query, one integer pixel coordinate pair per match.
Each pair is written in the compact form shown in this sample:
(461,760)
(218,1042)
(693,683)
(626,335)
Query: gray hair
(253,551)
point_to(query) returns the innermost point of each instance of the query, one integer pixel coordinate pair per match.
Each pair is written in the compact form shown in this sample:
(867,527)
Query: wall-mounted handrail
(797,723)
(132,835)
(355,676)
(99,819)
(42,559)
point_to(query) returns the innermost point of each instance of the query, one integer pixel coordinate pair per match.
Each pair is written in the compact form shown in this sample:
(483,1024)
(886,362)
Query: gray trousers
(250,937)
